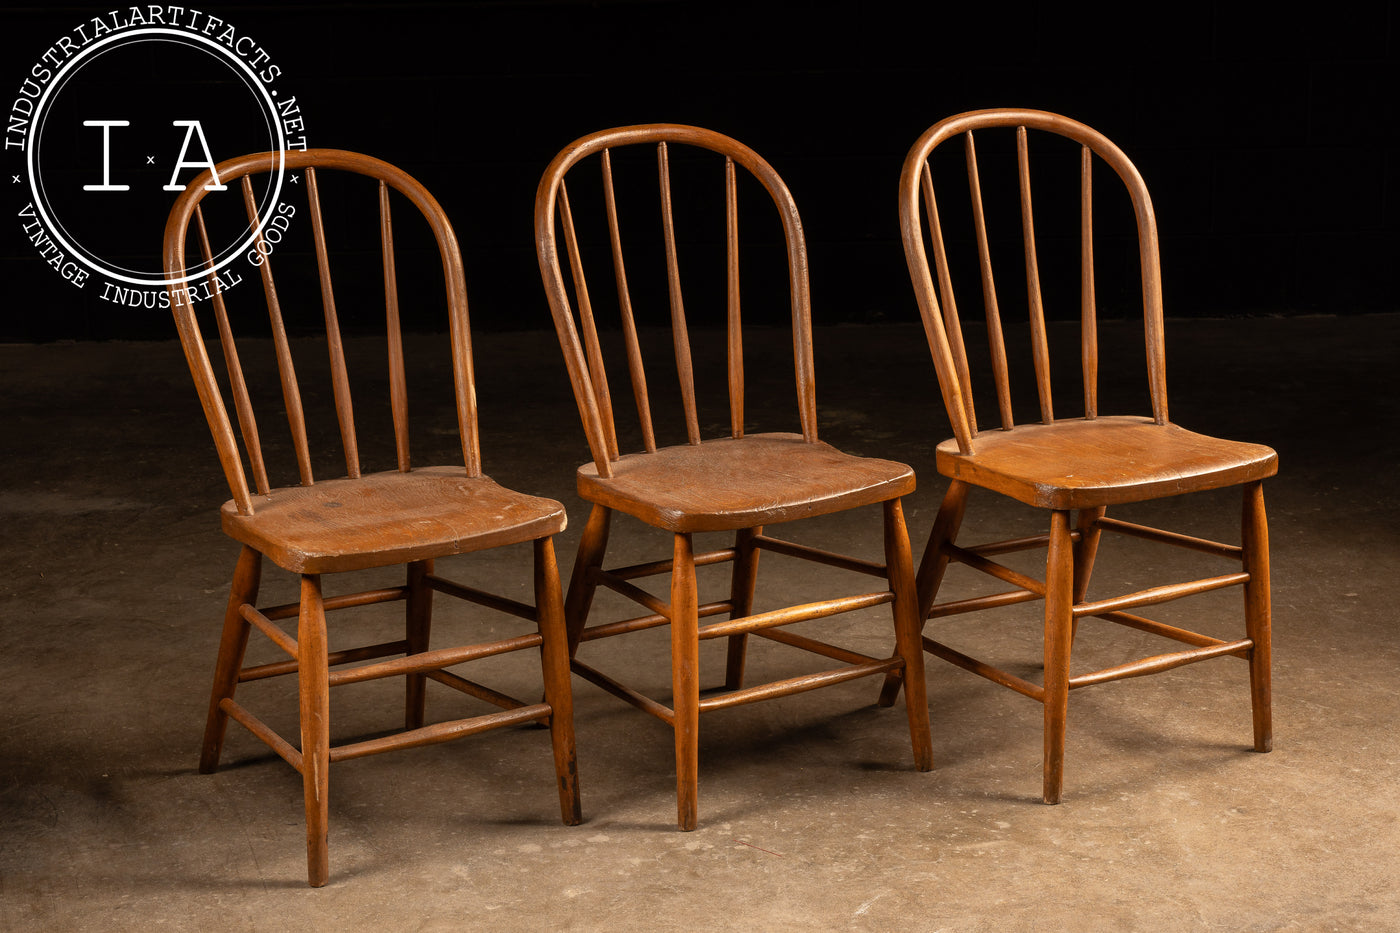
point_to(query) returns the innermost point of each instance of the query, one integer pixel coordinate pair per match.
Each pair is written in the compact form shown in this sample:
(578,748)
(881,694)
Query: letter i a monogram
(192,127)
(106,155)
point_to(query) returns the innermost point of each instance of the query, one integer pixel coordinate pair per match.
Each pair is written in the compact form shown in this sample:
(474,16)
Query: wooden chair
(406,515)
(1081,464)
(739,483)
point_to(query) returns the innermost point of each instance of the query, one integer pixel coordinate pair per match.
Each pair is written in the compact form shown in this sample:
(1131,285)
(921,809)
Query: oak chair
(408,515)
(738,483)
(1074,467)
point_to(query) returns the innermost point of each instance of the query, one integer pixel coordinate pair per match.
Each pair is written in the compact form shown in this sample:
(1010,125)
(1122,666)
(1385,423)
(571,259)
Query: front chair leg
(232,644)
(1257,614)
(741,589)
(685,680)
(313,681)
(1059,619)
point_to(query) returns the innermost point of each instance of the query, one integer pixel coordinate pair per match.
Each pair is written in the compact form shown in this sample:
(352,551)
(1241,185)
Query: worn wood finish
(1074,468)
(737,483)
(404,516)
(727,483)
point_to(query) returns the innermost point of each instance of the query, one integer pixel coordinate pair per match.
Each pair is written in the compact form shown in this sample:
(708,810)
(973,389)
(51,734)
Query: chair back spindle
(340,379)
(1040,345)
(247,420)
(680,333)
(635,368)
(734,326)
(1000,371)
(398,383)
(286,369)
(1089,321)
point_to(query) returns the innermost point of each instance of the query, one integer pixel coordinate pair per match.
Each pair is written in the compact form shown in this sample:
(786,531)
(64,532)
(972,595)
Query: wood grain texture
(389,518)
(1078,463)
(732,483)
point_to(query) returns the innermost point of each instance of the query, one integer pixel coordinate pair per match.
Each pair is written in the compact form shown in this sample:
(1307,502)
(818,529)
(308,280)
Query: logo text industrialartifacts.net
(110,123)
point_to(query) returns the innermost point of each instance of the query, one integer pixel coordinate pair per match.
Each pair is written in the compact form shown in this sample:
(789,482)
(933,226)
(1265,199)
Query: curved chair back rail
(939,307)
(584,358)
(187,214)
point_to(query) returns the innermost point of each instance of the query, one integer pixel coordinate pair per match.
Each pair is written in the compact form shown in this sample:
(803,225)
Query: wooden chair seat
(383,519)
(1079,464)
(742,482)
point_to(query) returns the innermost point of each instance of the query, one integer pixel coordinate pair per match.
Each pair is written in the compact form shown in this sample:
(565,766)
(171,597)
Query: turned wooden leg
(419,620)
(558,690)
(899,564)
(1085,550)
(685,680)
(932,567)
(232,644)
(591,548)
(1257,612)
(741,589)
(313,676)
(1059,602)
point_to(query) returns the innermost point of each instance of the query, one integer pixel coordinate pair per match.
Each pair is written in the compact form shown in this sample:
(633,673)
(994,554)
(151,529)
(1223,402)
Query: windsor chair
(1073,467)
(738,483)
(408,515)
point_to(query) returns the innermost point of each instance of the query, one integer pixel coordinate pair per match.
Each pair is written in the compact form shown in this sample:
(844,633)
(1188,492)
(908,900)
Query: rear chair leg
(741,589)
(419,619)
(899,564)
(1084,553)
(1257,614)
(591,547)
(931,568)
(232,644)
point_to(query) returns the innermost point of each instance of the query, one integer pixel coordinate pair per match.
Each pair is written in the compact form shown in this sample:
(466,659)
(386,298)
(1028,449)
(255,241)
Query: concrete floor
(811,815)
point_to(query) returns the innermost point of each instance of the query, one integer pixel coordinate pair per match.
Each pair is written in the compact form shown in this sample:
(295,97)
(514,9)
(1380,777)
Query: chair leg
(591,548)
(1085,551)
(1257,614)
(419,619)
(232,644)
(313,676)
(932,567)
(741,589)
(899,564)
(1059,603)
(685,680)
(558,691)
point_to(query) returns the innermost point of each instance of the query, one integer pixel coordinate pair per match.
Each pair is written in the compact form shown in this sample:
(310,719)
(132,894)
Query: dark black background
(1268,140)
